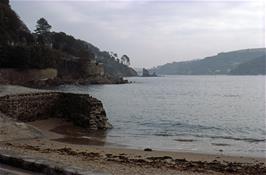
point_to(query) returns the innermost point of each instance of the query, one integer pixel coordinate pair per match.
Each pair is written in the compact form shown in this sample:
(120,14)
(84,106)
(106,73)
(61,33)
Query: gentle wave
(186,129)
(172,124)
(250,140)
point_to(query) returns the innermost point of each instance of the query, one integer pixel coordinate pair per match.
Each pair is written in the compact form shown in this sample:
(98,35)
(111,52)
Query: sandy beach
(58,144)
(132,87)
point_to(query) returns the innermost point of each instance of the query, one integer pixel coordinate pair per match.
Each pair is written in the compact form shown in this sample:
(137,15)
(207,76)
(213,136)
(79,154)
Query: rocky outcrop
(146,73)
(81,109)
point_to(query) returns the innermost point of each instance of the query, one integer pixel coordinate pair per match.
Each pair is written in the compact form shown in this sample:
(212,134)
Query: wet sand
(128,161)
(74,146)
(65,132)
(60,130)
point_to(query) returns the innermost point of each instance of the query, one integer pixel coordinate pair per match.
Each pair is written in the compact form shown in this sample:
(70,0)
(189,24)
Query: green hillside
(22,49)
(222,63)
(256,66)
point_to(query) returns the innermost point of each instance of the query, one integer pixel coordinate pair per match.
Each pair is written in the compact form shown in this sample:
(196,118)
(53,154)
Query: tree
(113,55)
(125,60)
(122,60)
(42,26)
(43,32)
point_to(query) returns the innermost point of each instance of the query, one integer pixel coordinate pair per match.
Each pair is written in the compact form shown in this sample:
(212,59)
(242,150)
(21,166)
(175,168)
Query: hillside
(111,64)
(71,60)
(12,29)
(222,63)
(256,66)
(79,48)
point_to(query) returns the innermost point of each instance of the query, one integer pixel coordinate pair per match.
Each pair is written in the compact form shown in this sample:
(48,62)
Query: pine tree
(43,32)
(42,26)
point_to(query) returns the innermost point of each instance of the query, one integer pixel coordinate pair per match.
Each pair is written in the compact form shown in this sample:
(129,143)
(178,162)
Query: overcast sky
(154,32)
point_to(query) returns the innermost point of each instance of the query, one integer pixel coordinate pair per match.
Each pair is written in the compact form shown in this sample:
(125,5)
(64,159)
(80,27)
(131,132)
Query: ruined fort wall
(83,110)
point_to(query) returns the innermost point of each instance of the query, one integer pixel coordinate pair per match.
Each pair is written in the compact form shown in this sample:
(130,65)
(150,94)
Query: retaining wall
(83,110)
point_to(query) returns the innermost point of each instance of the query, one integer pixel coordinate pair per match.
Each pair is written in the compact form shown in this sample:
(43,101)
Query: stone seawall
(24,76)
(83,110)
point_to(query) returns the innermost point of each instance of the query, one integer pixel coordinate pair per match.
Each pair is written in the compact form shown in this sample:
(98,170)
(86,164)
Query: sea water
(205,114)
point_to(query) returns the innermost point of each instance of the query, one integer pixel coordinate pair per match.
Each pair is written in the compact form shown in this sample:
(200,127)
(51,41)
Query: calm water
(209,114)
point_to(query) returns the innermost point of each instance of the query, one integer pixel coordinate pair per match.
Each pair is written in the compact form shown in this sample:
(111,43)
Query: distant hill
(256,66)
(222,63)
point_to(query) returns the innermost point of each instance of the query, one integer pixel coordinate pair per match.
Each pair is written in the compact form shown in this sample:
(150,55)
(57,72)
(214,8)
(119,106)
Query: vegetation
(82,49)
(256,66)
(30,56)
(68,44)
(12,29)
(146,73)
(6,2)
(42,27)
(19,48)
(223,63)
(42,32)
(113,65)
(125,60)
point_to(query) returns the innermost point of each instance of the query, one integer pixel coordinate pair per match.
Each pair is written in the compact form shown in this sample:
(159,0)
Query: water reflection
(81,136)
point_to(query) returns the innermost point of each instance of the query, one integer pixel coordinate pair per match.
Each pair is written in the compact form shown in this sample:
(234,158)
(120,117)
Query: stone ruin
(81,109)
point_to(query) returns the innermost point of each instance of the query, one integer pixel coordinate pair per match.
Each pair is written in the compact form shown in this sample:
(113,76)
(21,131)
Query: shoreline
(64,145)
(64,132)
(116,160)
(121,160)
(57,129)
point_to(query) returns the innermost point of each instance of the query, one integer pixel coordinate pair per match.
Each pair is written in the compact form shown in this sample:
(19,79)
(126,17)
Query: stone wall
(22,76)
(83,110)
